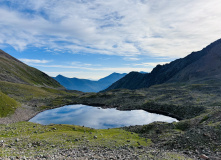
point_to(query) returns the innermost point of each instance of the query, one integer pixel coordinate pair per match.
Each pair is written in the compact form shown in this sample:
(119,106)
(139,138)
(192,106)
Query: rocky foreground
(125,153)
(196,138)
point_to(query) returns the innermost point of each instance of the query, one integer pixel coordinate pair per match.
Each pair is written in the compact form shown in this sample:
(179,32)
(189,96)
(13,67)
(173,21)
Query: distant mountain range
(197,67)
(86,85)
(15,71)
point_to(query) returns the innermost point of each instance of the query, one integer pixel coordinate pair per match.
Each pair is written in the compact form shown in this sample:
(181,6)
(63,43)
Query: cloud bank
(165,28)
(33,61)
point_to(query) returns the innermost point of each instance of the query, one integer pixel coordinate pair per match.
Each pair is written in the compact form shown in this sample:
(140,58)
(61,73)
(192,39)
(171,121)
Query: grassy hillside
(70,142)
(7,105)
(37,96)
(28,86)
(12,70)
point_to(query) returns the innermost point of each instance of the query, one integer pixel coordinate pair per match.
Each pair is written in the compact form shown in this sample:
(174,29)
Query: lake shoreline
(25,113)
(98,117)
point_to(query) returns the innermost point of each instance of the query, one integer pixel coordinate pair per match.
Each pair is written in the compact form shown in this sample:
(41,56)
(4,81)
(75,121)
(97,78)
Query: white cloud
(112,69)
(80,64)
(85,72)
(131,58)
(33,61)
(150,64)
(168,28)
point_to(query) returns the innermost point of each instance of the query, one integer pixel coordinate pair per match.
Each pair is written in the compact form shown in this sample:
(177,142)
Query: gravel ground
(84,153)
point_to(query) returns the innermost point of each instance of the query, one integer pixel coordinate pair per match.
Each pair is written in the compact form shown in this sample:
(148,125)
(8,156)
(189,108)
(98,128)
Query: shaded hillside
(201,65)
(85,85)
(13,70)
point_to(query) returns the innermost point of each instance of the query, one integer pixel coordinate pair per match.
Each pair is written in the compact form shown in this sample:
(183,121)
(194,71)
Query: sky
(93,38)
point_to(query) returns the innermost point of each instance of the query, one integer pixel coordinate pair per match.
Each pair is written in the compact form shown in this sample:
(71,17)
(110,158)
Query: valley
(198,133)
(86,85)
(195,102)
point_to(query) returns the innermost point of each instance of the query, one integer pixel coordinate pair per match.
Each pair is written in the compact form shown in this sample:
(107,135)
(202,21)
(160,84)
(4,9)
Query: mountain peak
(204,64)
(88,85)
(60,76)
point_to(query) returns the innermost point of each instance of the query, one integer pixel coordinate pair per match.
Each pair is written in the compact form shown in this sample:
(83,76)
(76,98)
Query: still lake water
(96,117)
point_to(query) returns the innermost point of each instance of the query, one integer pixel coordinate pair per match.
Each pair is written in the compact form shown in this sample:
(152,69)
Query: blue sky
(94,38)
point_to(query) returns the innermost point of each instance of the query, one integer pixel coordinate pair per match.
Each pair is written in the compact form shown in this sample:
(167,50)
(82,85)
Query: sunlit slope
(7,105)
(13,70)
(21,84)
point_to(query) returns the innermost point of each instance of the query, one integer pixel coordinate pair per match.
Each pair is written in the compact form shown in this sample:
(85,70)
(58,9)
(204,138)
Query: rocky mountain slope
(13,70)
(86,85)
(198,66)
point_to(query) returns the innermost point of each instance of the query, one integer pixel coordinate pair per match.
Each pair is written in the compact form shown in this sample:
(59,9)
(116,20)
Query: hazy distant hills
(15,71)
(198,66)
(85,85)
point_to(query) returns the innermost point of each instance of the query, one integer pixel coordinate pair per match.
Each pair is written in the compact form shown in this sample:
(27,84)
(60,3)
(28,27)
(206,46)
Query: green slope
(20,83)
(12,70)
(7,105)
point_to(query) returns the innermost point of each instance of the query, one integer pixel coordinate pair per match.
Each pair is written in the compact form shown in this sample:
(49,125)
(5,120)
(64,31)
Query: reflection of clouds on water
(97,118)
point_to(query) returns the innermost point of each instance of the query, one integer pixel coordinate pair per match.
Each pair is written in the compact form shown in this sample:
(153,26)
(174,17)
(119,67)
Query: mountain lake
(96,117)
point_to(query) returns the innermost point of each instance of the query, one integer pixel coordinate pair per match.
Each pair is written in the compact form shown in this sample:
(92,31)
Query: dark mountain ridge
(198,65)
(86,85)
